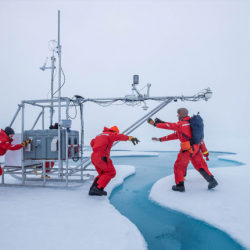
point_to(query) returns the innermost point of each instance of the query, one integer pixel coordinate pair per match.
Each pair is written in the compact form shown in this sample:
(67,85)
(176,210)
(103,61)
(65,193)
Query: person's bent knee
(113,173)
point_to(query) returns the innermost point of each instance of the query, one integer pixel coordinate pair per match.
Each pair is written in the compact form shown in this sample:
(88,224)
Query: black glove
(150,121)
(134,140)
(157,120)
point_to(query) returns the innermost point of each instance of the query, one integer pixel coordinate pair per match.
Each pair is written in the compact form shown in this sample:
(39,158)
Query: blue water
(164,228)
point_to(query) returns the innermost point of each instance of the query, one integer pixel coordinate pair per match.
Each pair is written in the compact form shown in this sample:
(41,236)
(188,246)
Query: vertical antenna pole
(59,99)
(52,82)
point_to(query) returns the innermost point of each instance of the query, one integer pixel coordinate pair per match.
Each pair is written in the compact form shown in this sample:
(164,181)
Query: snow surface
(226,207)
(51,214)
(49,219)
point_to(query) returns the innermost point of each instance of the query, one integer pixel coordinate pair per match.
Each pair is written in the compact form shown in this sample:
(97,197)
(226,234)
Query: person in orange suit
(6,139)
(100,158)
(188,152)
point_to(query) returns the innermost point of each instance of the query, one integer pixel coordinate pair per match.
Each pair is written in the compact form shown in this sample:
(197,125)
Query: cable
(52,83)
(108,103)
(75,109)
(75,159)
(63,83)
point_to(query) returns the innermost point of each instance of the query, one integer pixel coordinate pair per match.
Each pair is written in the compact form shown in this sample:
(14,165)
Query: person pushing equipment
(100,158)
(6,139)
(189,150)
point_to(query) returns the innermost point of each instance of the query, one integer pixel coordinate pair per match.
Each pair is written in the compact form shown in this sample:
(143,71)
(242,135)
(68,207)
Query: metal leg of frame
(66,142)
(3,176)
(82,139)
(50,166)
(22,153)
(44,174)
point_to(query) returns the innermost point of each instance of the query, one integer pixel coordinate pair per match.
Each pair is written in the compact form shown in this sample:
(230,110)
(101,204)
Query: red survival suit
(184,157)
(101,146)
(5,144)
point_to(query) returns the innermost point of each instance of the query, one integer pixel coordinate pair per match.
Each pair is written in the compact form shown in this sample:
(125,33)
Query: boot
(212,183)
(96,191)
(209,178)
(94,183)
(179,187)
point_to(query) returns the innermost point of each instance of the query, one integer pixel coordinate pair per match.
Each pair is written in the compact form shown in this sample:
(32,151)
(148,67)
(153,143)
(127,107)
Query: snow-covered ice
(226,207)
(49,219)
(46,216)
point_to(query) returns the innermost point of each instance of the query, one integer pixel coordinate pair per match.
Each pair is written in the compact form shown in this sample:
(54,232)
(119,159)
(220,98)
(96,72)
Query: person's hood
(107,130)
(4,137)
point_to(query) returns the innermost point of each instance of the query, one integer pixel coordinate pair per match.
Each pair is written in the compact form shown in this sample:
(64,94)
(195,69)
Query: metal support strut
(15,116)
(37,119)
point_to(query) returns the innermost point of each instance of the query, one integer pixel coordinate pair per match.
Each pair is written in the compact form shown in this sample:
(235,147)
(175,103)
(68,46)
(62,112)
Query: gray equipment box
(44,144)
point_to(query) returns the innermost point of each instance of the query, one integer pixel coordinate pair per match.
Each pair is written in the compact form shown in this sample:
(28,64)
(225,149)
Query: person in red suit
(6,139)
(188,152)
(203,150)
(100,158)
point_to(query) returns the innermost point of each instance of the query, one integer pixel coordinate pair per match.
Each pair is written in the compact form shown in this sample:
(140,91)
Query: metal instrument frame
(61,172)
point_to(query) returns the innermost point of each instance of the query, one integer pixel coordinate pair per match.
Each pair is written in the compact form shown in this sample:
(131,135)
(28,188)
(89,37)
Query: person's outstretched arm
(166,125)
(170,126)
(166,138)
(120,137)
(12,147)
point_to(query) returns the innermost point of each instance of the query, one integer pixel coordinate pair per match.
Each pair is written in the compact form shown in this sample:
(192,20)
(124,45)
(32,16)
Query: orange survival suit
(184,157)
(101,146)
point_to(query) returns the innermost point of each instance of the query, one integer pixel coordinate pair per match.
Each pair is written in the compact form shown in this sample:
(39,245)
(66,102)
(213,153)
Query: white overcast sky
(180,47)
